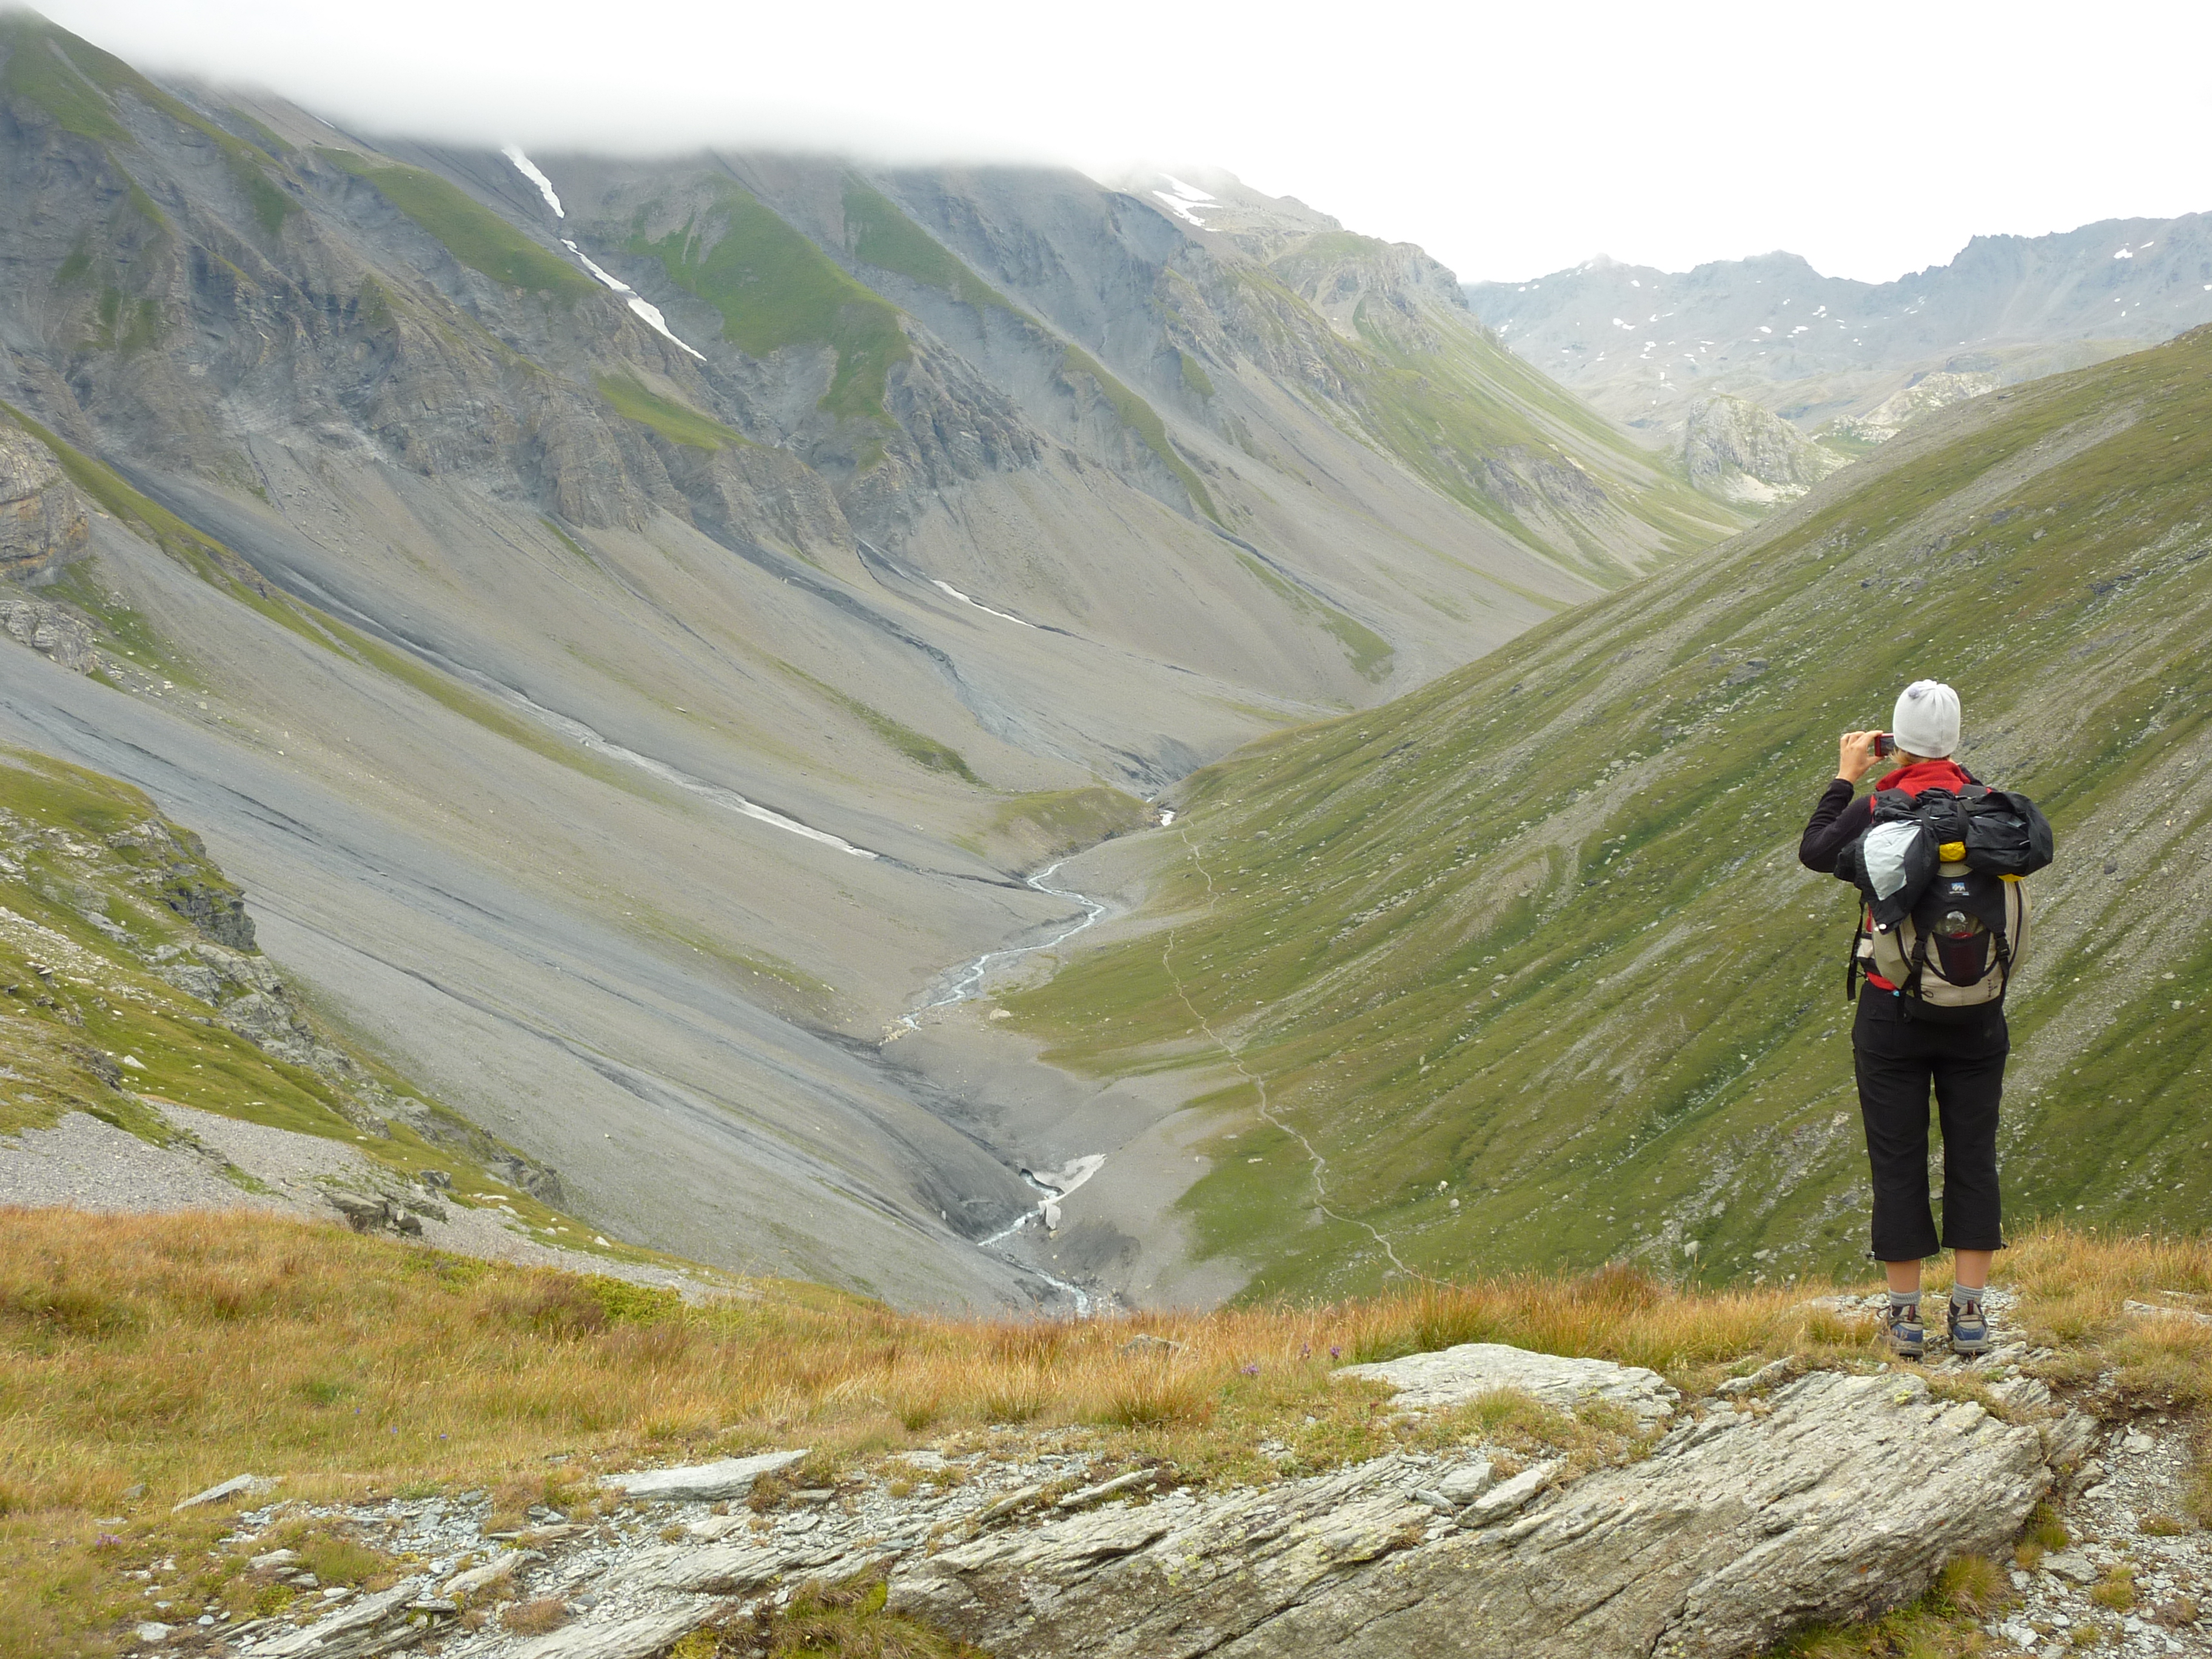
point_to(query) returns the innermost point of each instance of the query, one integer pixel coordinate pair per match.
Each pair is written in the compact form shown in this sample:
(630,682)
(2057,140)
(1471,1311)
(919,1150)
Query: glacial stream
(1055,1184)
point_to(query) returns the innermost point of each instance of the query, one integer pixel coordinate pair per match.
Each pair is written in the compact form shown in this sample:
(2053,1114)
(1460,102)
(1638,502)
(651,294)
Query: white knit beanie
(1926,720)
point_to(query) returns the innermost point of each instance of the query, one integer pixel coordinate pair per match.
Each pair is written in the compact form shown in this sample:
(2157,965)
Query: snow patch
(614,282)
(528,169)
(1004,616)
(1181,198)
(659,324)
(2124,253)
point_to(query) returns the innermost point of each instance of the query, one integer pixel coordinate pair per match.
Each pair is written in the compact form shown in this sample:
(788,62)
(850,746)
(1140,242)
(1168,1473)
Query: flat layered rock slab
(1838,1501)
(618,1638)
(701,1483)
(1452,1377)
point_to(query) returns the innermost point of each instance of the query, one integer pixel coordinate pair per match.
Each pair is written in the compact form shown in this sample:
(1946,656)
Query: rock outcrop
(42,517)
(1739,451)
(1928,393)
(1840,1500)
(1830,1497)
(51,630)
(1452,1377)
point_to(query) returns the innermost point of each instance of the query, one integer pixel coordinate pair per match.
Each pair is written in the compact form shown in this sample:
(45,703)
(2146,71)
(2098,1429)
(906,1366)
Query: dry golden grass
(177,1350)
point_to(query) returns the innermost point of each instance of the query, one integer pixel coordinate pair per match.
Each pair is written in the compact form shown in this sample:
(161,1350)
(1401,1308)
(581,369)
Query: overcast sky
(1873,139)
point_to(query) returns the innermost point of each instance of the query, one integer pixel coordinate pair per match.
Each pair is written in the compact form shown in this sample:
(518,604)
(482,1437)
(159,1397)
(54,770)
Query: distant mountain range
(1644,344)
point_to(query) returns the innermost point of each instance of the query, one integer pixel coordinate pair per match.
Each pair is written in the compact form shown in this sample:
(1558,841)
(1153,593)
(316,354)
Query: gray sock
(1967,1298)
(1906,1300)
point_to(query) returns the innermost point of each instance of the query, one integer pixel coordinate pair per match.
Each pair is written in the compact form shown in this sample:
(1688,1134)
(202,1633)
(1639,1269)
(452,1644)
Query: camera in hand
(1885,744)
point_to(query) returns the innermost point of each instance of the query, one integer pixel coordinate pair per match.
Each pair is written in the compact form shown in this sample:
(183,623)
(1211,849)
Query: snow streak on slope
(729,800)
(644,309)
(1004,616)
(528,169)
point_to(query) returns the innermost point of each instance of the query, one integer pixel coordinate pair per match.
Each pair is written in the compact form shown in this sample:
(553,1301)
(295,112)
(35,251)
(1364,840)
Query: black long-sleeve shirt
(1837,821)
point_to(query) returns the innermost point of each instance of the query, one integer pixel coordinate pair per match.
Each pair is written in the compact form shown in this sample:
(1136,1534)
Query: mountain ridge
(1815,348)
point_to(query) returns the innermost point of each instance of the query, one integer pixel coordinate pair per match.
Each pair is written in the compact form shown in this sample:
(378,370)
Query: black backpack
(1938,876)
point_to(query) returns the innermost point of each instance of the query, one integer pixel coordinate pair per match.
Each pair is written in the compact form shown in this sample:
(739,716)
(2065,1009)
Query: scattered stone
(725,1570)
(1145,1344)
(702,1483)
(1739,1527)
(237,1485)
(1008,1505)
(355,1630)
(1091,1496)
(273,1558)
(1466,1483)
(1456,1376)
(475,1578)
(153,1632)
(2071,1564)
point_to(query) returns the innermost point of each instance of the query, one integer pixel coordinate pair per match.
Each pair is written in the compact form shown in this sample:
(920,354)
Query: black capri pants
(1897,1061)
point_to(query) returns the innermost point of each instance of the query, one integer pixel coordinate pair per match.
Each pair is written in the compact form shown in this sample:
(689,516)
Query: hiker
(1940,932)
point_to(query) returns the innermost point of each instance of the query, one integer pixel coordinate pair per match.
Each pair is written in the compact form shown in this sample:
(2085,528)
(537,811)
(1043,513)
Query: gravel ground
(2137,1476)
(84,1163)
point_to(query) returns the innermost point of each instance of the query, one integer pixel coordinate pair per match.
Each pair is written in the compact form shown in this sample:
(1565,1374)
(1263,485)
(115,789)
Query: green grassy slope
(775,289)
(471,232)
(1534,938)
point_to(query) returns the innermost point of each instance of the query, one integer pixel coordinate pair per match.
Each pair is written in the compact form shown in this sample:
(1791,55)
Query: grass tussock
(1944,1624)
(146,1358)
(844,1619)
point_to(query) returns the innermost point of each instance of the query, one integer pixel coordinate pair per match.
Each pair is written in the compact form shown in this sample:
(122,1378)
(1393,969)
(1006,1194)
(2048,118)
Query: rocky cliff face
(42,516)
(1740,453)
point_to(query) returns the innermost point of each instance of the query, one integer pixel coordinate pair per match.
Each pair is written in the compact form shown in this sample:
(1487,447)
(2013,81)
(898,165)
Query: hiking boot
(1970,1328)
(1908,1338)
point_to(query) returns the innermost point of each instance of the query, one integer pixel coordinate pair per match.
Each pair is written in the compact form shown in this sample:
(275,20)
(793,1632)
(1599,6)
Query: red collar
(1927,774)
